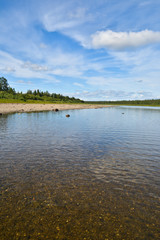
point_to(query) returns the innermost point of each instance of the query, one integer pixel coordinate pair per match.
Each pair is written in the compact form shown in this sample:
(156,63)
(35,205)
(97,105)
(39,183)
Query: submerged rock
(67,115)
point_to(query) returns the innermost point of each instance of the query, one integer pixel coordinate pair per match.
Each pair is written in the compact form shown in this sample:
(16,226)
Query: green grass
(11,101)
(36,101)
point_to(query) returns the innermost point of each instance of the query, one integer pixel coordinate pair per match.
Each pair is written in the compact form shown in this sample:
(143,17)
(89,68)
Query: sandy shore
(20,107)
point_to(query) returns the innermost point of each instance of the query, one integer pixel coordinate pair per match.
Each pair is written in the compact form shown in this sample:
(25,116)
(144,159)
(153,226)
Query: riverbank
(6,108)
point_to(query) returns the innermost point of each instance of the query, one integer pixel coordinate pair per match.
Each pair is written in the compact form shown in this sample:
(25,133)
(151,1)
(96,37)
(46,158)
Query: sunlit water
(94,175)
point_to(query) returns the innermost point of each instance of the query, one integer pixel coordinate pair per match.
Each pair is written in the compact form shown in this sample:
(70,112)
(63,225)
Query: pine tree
(4,86)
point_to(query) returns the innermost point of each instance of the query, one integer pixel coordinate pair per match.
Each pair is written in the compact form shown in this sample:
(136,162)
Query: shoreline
(6,108)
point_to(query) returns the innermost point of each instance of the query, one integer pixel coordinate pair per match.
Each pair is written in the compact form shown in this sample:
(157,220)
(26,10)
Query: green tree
(29,91)
(11,90)
(4,86)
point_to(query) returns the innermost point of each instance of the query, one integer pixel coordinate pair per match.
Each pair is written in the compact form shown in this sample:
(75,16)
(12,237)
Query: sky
(88,49)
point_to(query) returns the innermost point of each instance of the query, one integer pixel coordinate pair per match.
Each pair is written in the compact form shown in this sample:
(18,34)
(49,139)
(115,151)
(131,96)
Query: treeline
(148,102)
(6,92)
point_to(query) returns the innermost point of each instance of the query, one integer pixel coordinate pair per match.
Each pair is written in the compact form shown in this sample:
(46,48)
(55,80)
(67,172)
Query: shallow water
(94,175)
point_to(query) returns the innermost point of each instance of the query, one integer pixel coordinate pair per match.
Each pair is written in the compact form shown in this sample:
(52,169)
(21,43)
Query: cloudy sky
(90,49)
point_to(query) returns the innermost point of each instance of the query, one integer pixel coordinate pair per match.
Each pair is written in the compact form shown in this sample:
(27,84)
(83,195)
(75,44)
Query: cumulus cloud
(123,40)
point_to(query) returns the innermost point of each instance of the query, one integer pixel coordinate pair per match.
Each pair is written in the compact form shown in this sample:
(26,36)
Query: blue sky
(93,50)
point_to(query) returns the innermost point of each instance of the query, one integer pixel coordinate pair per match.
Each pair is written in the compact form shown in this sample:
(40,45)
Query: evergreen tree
(4,86)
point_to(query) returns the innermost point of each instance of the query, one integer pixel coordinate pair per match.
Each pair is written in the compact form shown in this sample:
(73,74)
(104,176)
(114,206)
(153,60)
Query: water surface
(94,175)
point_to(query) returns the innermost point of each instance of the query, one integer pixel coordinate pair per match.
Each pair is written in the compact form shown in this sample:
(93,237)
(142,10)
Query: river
(94,175)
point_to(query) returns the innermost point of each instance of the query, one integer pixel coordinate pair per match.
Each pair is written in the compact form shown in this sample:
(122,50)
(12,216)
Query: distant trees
(6,92)
(147,102)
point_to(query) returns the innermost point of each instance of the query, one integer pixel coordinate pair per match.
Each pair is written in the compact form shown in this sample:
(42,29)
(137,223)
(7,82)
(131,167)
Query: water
(94,175)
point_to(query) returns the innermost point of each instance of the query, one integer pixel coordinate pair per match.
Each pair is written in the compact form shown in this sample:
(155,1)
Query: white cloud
(24,82)
(23,69)
(123,40)
(140,63)
(7,69)
(78,84)
(35,67)
(107,95)
(62,18)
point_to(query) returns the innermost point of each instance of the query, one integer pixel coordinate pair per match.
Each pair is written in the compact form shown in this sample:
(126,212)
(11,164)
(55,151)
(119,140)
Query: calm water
(94,175)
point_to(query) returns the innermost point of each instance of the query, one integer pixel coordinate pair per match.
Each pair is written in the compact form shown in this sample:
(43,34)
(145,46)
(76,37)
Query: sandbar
(6,108)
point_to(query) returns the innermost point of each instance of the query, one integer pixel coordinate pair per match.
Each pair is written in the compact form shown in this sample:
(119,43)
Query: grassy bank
(37,101)
(148,102)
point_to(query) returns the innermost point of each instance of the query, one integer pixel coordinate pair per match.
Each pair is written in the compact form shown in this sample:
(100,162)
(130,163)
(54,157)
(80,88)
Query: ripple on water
(92,176)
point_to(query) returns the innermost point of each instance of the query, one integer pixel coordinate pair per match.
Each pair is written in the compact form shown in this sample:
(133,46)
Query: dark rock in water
(0,114)
(56,110)
(67,115)
(122,113)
